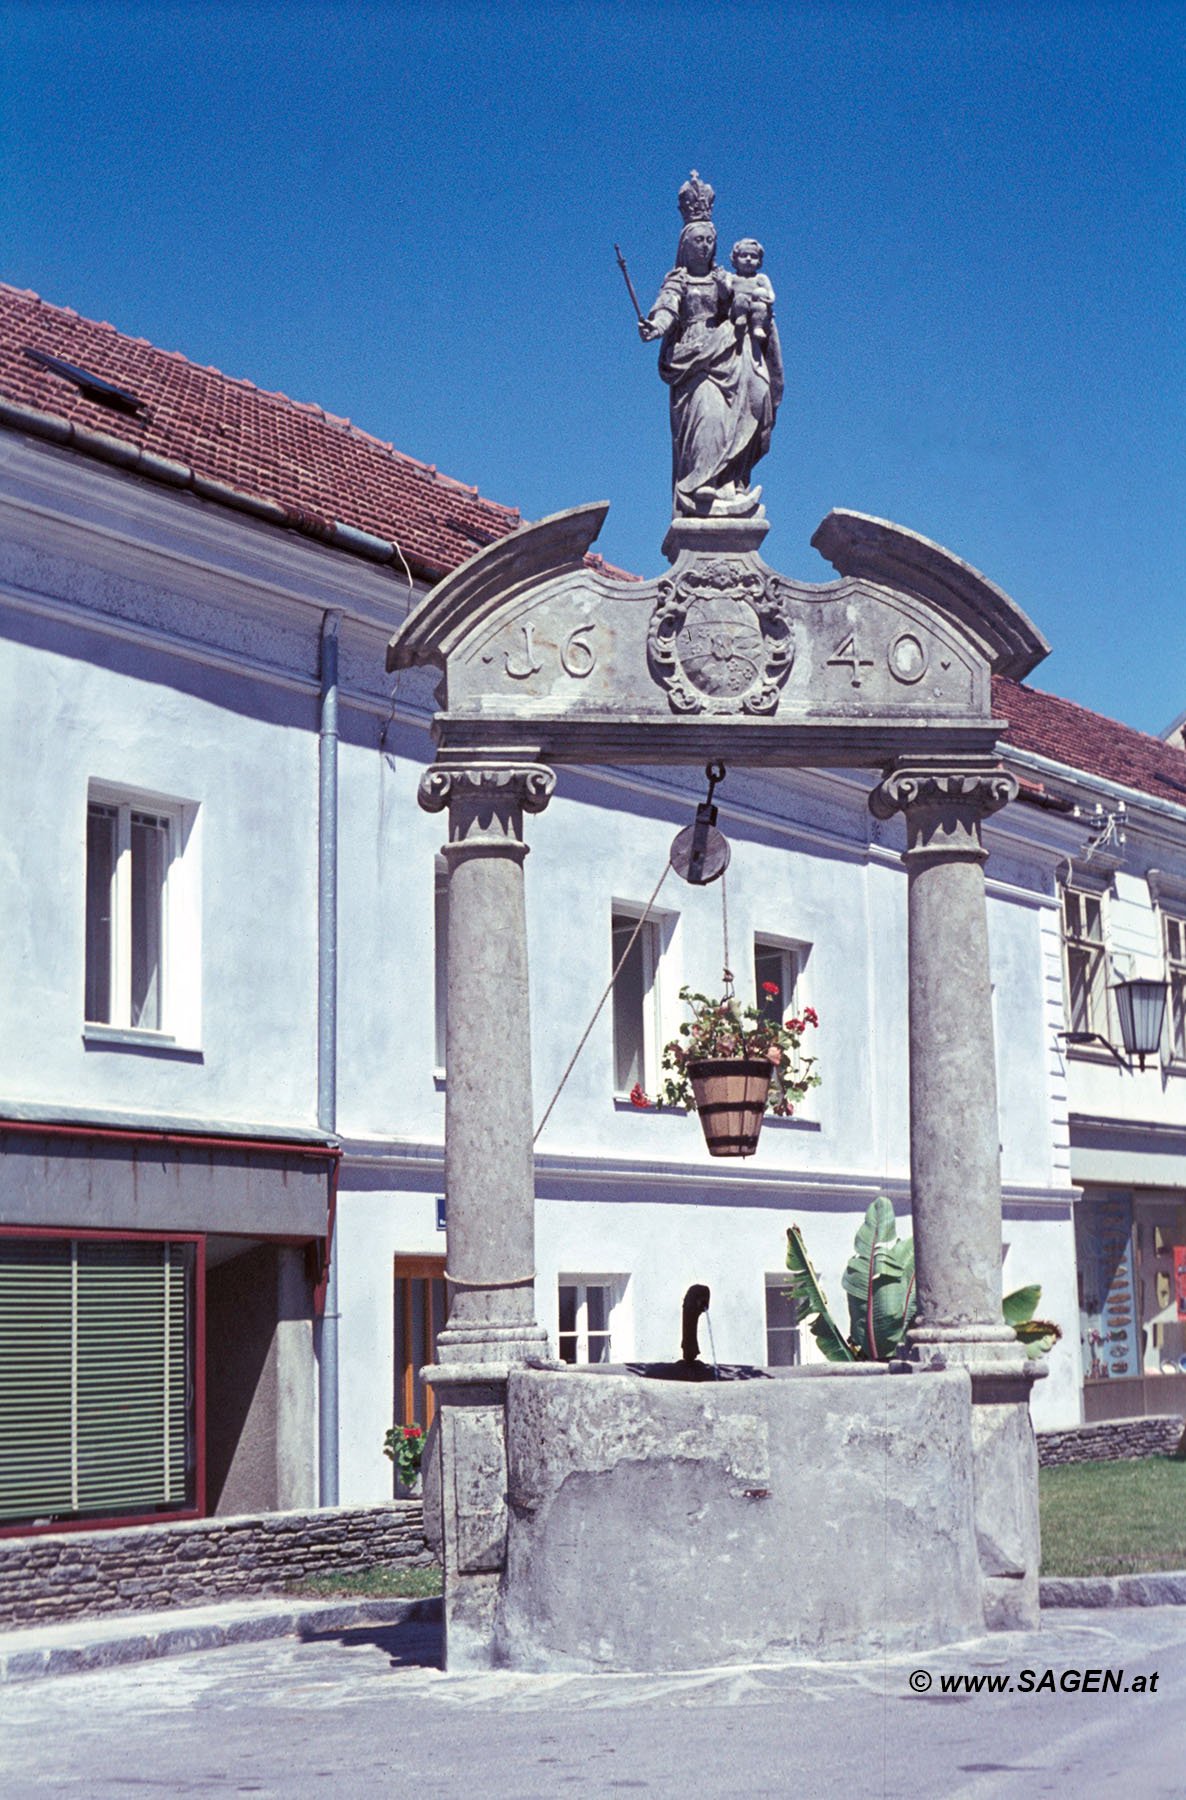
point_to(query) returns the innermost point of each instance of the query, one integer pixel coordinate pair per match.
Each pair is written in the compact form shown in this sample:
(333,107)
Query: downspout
(327,1036)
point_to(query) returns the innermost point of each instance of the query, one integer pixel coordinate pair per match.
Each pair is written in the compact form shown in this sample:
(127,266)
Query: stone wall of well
(69,1575)
(1117,1440)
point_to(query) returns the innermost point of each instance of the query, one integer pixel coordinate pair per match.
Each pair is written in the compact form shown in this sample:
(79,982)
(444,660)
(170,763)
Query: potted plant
(733,1063)
(404,1444)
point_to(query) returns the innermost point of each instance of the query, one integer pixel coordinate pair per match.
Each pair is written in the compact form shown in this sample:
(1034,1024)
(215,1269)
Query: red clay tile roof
(1088,741)
(320,469)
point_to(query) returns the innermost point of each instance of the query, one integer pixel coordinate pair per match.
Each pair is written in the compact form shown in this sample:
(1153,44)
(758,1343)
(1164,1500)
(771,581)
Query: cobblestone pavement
(364,1712)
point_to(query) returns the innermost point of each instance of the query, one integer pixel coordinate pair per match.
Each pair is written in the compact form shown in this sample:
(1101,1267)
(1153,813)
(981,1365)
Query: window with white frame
(440,927)
(1085,962)
(636,999)
(778,965)
(1173,929)
(589,1317)
(141,951)
(782,1323)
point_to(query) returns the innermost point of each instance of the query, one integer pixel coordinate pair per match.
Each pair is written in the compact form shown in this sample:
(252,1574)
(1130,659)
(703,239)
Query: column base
(514,1343)
(1004,1459)
(984,1350)
(465,1491)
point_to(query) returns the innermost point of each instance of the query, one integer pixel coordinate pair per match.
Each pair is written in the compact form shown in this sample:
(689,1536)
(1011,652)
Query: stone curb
(1114,1590)
(86,1644)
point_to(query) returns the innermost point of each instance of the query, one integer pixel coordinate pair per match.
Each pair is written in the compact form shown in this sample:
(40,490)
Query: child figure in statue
(753,296)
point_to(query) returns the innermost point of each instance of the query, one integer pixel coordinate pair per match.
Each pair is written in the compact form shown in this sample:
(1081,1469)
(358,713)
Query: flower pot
(731,1095)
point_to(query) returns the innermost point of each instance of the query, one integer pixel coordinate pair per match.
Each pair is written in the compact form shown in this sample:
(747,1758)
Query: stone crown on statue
(695,199)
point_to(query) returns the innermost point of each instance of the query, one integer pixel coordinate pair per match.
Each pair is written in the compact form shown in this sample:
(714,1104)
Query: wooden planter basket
(731,1095)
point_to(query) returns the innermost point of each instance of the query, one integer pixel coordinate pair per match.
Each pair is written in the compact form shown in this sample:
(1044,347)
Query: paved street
(365,1713)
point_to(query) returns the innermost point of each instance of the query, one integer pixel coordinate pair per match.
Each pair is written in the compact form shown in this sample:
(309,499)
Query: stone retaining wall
(1116,1440)
(69,1575)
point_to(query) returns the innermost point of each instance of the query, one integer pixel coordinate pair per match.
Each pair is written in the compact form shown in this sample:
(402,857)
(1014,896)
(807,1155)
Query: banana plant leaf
(1020,1306)
(810,1304)
(879,1282)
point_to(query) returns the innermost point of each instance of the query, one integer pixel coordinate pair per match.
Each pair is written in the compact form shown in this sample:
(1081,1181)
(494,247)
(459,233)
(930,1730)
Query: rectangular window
(777,966)
(1085,963)
(440,929)
(1174,939)
(782,1323)
(421,1310)
(97,1378)
(586,1308)
(636,1012)
(141,954)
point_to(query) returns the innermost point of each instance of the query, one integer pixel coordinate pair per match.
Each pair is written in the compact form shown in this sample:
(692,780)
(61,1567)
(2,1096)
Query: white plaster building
(222,927)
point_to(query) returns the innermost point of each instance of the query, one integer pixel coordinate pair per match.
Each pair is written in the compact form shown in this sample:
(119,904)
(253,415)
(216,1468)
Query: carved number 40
(906,658)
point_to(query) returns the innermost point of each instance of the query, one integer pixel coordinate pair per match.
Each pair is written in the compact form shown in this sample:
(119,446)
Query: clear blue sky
(972,213)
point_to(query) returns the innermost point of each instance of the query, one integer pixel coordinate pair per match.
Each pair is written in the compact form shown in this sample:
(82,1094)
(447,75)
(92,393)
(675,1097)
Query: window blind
(96,1388)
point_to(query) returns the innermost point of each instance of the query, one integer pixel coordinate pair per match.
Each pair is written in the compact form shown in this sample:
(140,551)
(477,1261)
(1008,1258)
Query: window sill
(151,1043)
(623,1103)
(438,1080)
(796,1122)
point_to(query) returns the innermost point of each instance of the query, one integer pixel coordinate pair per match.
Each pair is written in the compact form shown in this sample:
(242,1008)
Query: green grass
(387,1582)
(1113,1518)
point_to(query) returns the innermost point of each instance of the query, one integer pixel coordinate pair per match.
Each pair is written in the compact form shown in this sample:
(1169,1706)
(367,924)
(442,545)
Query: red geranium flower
(637,1097)
(811,1016)
(412,1431)
(770,987)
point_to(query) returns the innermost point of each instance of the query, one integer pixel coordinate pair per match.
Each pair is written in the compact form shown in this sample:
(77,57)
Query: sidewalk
(106,1641)
(118,1638)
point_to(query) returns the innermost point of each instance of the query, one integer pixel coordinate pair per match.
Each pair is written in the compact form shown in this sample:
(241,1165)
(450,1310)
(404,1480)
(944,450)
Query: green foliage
(404,1445)
(810,1304)
(726,1028)
(389,1581)
(1038,1335)
(879,1282)
(882,1302)
(1021,1305)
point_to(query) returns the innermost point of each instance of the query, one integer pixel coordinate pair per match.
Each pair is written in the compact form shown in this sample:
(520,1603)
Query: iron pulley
(700,853)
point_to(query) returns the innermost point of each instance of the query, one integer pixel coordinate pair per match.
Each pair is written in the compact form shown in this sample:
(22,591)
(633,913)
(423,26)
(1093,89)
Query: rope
(605,996)
(517,1281)
(726,972)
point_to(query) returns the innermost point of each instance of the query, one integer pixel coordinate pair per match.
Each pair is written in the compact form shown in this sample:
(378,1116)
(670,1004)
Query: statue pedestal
(714,536)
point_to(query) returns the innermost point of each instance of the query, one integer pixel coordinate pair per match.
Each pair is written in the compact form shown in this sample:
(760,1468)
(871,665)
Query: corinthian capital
(943,807)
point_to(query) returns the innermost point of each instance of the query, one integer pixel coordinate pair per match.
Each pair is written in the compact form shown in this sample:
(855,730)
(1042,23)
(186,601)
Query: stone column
(955,1166)
(489,1165)
(489,1184)
(955,1157)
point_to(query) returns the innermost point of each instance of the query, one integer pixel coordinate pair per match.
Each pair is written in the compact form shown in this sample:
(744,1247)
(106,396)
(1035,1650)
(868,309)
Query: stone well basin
(656,1525)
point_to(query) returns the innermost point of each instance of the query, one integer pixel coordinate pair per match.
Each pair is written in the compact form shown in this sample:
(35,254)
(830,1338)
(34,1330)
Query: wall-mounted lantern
(1141,1006)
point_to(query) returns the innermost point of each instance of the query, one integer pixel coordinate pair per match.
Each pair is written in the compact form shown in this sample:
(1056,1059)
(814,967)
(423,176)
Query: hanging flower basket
(731,1095)
(733,1063)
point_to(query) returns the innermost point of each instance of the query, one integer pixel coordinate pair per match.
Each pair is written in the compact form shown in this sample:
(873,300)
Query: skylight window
(93,386)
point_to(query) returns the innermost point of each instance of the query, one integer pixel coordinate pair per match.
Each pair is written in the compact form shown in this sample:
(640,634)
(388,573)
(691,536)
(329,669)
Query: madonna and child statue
(721,361)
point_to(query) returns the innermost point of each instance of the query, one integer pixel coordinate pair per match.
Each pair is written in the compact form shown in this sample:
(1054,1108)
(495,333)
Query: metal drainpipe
(327,1032)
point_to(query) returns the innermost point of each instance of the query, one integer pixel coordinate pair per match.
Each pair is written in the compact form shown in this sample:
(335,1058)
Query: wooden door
(420,1311)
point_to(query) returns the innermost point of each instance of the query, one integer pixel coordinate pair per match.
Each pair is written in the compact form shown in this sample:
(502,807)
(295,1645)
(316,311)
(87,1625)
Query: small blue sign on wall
(440,1212)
